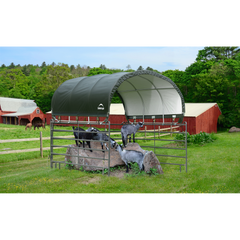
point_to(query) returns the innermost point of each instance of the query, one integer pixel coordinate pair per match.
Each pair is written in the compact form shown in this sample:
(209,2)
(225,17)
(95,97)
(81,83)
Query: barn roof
(192,109)
(117,109)
(21,112)
(13,104)
(145,94)
(196,109)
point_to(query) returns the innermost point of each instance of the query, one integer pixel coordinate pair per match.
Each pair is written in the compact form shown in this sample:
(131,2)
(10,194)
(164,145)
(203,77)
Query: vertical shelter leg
(51,143)
(186,142)
(109,148)
(154,135)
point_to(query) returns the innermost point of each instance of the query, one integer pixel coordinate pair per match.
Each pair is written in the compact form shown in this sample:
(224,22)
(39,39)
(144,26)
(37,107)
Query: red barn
(200,117)
(20,111)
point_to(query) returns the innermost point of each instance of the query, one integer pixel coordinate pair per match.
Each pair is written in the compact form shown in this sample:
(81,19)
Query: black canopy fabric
(145,94)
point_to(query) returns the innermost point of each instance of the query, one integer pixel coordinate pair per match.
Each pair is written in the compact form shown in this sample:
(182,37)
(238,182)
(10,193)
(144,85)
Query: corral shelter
(20,111)
(145,95)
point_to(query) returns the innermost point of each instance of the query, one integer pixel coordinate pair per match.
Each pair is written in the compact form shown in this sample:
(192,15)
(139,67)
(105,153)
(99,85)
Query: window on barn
(38,111)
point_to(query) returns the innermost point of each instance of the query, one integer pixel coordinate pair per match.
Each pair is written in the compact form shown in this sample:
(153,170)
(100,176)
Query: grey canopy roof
(145,94)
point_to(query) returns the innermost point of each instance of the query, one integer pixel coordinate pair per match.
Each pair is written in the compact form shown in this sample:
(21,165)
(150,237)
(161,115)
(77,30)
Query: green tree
(72,68)
(11,66)
(44,102)
(175,75)
(140,68)
(44,69)
(26,70)
(80,71)
(220,84)
(212,86)
(188,80)
(95,71)
(16,83)
(102,66)
(149,69)
(53,78)
(128,67)
(217,53)
(43,65)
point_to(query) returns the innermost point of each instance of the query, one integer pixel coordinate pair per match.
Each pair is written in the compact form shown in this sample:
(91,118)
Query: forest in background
(214,76)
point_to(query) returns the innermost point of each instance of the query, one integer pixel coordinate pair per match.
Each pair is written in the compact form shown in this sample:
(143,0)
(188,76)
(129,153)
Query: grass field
(212,168)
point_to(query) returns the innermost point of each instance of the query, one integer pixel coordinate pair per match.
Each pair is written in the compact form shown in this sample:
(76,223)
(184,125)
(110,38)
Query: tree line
(213,77)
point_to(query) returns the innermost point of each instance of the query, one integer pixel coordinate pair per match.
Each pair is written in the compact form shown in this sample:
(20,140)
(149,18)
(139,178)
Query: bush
(199,139)
(181,136)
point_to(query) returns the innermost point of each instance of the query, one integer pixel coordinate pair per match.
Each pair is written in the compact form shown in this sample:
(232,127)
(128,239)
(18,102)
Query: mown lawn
(212,168)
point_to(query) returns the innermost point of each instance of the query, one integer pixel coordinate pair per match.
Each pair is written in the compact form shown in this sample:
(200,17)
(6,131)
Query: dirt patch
(90,180)
(120,173)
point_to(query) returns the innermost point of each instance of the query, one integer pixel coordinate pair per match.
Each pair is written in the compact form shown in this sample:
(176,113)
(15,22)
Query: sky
(159,58)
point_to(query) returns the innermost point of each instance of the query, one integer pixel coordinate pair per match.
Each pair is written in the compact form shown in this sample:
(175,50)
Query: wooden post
(145,131)
(171,130)
(158,131)
(41,146)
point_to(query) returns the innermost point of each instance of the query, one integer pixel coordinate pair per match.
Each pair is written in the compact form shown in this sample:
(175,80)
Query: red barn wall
(33,115)
(40,115)
(191,124)
(2,113)
(114,119)
(29,117)
(206,122)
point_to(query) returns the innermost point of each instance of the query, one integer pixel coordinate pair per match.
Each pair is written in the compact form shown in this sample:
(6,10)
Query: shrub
(198,139)
(181,136)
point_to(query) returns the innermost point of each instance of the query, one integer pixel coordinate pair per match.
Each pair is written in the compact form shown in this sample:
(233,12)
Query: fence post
(145,131)
(41,147)
(171,129)
(158,131)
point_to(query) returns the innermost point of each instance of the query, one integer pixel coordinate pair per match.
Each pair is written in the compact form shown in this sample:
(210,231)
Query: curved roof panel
(13,104)
(144,94)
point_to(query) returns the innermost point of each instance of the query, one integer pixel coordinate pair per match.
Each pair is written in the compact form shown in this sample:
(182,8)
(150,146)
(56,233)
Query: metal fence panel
(157,131)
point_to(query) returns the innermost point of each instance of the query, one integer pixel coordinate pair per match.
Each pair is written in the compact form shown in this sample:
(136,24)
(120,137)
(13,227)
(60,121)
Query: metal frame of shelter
(145,95)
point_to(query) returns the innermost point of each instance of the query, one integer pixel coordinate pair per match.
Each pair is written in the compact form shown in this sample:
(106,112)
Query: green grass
(8,131)
(212,168)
